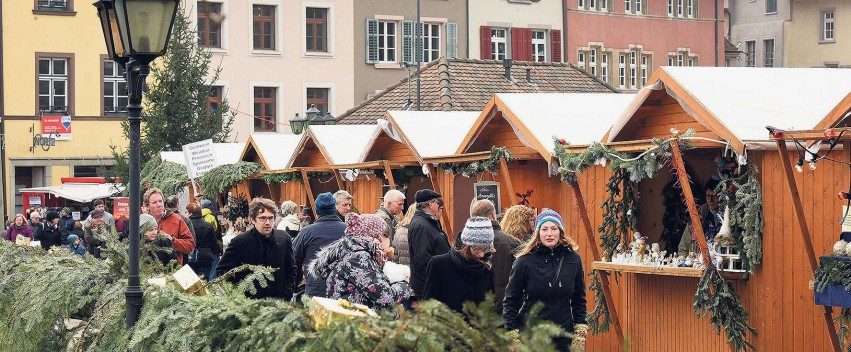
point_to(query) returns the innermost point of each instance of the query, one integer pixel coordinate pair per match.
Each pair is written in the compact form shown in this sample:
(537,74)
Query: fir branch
(743,195)
(222,178)
(716,294)
(478,167)
(598,318)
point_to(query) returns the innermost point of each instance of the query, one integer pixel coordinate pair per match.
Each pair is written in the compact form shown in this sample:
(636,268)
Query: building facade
(63,101)
(278,58)
(623,41)
(384,41)
(523,30)
(816,34)
(756,29)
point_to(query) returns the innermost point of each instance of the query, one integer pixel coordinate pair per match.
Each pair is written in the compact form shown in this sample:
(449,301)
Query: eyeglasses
(262,219)
(480,249)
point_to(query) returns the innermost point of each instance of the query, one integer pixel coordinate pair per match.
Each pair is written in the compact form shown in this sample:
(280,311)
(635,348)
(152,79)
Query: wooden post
(805,232)
(310,200)
(604,277)
(339,179)
(389,174)
(685,186)
(503,167)
(447,226)
(275,192)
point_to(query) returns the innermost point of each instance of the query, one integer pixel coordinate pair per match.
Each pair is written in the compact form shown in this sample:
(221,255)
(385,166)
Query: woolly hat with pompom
(366,225)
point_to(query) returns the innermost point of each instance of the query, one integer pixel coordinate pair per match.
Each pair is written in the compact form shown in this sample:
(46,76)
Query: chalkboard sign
(488,190)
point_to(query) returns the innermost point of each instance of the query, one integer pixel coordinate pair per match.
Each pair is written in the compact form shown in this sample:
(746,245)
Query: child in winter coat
(75,246)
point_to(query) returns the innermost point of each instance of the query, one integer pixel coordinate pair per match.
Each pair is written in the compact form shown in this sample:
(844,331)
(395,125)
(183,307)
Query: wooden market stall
(727,109)
(324,147)
(226,154)
(431,134)
(274,151)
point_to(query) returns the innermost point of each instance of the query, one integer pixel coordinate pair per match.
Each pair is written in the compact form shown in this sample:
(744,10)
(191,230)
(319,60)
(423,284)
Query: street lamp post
(136,32)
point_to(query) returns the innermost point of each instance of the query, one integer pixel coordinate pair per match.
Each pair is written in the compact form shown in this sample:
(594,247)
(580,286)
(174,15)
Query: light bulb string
(815,158)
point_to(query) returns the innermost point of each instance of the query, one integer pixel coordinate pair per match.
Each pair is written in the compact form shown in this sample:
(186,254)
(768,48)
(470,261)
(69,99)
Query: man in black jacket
(425,236)
(48,232)
(262,245)
(327,229)
(505,247)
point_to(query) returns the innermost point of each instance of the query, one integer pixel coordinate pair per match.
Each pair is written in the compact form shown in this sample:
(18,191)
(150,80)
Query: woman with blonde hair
(400,239)
(548,270)
(519,221)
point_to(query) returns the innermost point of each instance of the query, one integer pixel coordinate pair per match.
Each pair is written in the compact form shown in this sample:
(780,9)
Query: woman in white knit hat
(463,274)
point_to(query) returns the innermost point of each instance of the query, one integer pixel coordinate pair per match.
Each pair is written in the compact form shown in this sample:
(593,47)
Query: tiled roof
(467,85)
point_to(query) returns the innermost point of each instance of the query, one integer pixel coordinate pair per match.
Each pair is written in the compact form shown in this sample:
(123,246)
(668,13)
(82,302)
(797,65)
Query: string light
(799,166)
(812,166)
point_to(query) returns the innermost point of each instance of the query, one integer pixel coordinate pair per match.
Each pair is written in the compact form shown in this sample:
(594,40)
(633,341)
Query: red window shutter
(486,43)
(555,47)
(527,44)
(521,44)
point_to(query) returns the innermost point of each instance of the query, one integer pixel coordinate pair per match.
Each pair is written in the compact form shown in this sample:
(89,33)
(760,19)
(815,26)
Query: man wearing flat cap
(426,237)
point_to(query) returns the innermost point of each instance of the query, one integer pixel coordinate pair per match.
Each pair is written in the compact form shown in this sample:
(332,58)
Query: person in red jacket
(170,223)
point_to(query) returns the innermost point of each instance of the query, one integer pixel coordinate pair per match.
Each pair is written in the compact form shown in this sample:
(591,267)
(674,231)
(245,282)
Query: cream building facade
(500,24)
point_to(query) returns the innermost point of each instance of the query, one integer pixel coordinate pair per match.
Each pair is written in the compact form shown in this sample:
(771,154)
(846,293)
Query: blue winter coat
(310,241)
(78,249)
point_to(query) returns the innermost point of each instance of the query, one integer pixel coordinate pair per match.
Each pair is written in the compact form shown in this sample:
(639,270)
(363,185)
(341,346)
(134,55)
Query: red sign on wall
(121,208)
(56,126)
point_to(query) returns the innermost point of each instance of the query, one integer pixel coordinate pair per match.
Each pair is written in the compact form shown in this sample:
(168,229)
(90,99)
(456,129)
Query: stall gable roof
(579,118)
(276,150)
(80,192)
(738,102)
(431,133)
(343,144)
(226,153)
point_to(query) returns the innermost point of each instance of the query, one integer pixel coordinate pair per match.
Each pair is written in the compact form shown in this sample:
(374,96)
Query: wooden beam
(389,174)
(604,278)
(685,186)
(447,225)
(813,135)
(805,233)
(339,179)
(658,270)
(310,200)
(460,158)
(503,168)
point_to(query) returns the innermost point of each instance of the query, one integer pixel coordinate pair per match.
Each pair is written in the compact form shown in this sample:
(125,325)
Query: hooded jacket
(453,280)
(425,240)
(351,271)
(274,251)
(503,259)
(49,234)
(400,245)
(290,224)
(310,241)
(183,242)
(205,239)
(564,301)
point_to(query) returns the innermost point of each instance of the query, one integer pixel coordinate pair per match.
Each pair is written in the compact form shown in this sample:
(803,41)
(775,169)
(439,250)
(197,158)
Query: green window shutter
(371,41)
(451,40)
(407,41)
(419,48)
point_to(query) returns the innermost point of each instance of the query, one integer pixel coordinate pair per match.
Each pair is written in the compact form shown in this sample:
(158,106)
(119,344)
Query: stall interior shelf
(657,270)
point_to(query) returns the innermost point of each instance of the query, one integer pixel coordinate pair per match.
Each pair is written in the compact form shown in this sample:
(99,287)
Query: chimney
(507,64)
(529,75)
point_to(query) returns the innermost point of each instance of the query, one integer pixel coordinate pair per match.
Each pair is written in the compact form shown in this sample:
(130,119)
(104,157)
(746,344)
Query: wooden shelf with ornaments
(657,270)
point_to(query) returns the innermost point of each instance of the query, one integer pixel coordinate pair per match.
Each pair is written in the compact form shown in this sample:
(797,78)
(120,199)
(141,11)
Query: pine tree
(176,100)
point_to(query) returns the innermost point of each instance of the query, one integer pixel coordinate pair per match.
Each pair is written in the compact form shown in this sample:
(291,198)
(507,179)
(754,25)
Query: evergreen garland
(620,213)
(725,306)
(222,178)
(598,318)
(402,176)
(833,271)
(478,167)
(744,197)
(281,177)
(844,320)
(168,176)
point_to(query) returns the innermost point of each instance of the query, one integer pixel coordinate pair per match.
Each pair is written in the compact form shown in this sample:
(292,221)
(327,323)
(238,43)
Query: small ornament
(848,249)
(839,248)
(562,141)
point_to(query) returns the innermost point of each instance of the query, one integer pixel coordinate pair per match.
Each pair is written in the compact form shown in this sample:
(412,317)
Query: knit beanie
(548,215)
(67,210)
(72,238)
(478,232)
(325,204)
(366,225)
(147,222)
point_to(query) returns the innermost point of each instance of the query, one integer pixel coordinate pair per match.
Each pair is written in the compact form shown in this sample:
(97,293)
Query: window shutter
(418,51)
(407,41)
(451,40)
(521,44)
(371,41)
(485,41)
(555,47)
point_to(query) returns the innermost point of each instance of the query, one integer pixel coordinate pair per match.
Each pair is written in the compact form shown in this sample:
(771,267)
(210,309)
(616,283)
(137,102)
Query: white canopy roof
(432,133)
(80,192)
(344,144)
(276,149)
(226,153)
(745,100)
(579,118)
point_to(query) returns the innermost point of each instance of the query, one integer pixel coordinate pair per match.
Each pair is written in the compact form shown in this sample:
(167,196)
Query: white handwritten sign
(200,158)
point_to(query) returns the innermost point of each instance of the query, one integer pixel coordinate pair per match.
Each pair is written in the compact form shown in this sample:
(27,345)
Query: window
(265,108)
(592,61)
(750,53)
(671,61)
(580,4)
(318,97)
(594,5)
(53,85)
(215,100)
(580,61)
(91,171)
(627,6)
(54,5)
(386,41)
(633,70)
(114,88)
(539,46)
(264,27)
(682,8)
(639,7)
(692,62)
(645,64)
(498,43)
(210,24)
(622,71)
(684,57)
(770,6)
(431,42)
(690,8)
(316,30)
(828,26)
(768,60)
(604,67)
(633,6)
(598,61)
(670,8)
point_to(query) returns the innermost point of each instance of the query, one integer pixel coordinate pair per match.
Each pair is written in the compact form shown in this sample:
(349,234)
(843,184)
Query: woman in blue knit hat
(548,270)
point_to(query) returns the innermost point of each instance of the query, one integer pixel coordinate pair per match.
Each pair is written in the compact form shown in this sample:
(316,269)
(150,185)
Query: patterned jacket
(351,271)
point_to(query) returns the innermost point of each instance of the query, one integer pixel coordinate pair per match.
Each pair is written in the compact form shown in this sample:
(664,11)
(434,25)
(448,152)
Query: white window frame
(580,4)
(680,59)
(384,39)
(638,8)
(52,78)
(627,6)
(279,40)
(825,22)
(114,79)
(773,52)
(622,70)
(580,60)
(604,67)
(776,6)
(645,63)
(670,8)
(495,41)
(279,102)
(427,48)
(633,70)
(680,6)
(539,42)
(330,33)
(753,53)
(592,60)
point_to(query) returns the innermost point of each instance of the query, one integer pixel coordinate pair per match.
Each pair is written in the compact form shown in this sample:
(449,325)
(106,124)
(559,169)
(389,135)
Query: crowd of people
(394,256)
